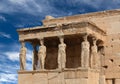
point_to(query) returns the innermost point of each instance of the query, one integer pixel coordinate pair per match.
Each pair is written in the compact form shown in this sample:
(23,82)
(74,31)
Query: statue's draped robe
(62,56)
(85,54)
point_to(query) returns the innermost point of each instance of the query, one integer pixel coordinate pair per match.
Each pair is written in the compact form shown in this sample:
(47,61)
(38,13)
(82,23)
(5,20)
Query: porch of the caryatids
(61,53)
(94,55)
(85,52)
(22,56)
(42,54)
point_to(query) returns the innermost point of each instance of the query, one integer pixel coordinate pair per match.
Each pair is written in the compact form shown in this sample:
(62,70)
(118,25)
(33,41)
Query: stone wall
(73,76)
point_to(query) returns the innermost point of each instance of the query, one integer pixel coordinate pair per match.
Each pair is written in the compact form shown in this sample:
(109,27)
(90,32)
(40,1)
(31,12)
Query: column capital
(94,38)
(41,41)
(85,36)
(61,38)
(22,40)
(41,38)
(22,43)
(59,25)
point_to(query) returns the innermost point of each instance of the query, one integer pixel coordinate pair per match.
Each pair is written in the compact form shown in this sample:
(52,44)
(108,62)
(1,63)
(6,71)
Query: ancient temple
(79,49)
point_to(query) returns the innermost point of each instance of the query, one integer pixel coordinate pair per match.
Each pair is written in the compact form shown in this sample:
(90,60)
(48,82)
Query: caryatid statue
(61,53)
(94,54)
(42,54)
(22,56)
(85,52)
(35,58)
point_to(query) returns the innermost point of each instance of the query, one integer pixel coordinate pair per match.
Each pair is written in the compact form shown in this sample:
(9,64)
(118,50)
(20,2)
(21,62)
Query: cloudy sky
(15,14)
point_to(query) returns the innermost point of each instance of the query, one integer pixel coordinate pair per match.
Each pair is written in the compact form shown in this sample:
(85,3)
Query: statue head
(41,41)
(61,39)
(94,40)
(22,44)
(85,37)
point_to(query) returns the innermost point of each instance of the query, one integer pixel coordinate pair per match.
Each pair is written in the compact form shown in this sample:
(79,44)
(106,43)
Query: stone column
(95,61)
(109,81)
(102,79)
(22,56)
(35,58)
(61,53)
(42,54)
(85,52)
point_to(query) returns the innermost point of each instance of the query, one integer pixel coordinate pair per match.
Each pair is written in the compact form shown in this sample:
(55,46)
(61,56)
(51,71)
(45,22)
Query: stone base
(67,76)
(117,81)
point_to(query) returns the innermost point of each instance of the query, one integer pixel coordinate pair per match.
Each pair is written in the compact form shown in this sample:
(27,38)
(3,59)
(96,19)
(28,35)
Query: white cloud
(18,1)
(2,34)
(3,18)
(1,45)
(19,25)
(28,66)
(24,6)
(29,6)
(9,68)
(9,74)
(44,7)
(14,56)
(94,3)
(8,77)
(14,51)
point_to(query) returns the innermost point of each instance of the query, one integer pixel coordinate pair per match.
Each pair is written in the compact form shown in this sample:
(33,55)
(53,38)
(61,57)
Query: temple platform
(66,76)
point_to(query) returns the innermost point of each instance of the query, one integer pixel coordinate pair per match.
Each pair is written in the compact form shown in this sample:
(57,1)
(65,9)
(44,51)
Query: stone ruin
(79,49)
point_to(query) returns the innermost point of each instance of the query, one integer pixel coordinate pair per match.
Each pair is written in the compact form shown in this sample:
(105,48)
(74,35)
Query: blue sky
(15,14)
